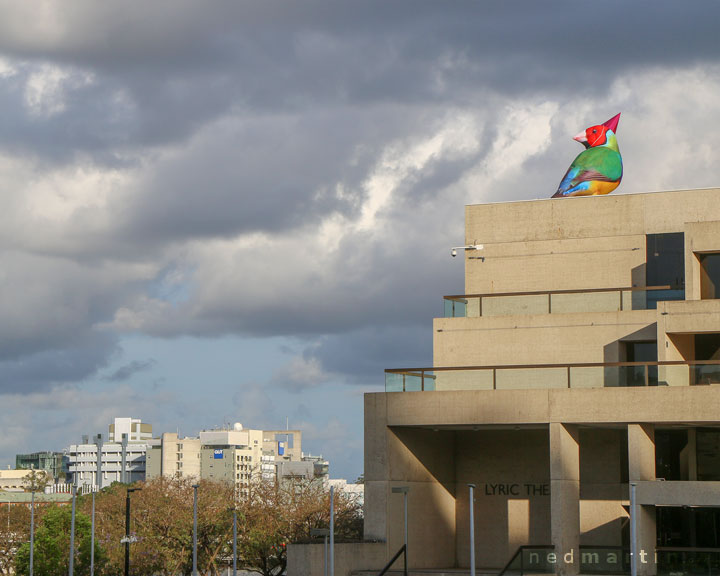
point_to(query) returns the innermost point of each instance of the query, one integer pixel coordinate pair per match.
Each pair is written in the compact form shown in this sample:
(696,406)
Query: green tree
(52,545)
(277,514)
(36,481)
(14,531)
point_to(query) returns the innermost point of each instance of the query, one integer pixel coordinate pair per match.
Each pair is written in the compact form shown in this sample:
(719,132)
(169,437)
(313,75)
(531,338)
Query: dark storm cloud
(228,119)
(129,370)
(40,371)
(363,355)
(180,65)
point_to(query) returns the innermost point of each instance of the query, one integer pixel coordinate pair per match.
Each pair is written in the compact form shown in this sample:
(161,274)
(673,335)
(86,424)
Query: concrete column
(565,497)
(123,464)
(641,467)
(99,444)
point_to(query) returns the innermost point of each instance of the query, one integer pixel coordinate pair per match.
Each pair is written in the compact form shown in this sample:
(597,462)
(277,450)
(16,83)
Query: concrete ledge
(678,493)
(673,404)
(350,558)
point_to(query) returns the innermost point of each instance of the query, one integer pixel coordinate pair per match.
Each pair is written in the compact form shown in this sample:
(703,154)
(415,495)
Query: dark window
(709,276)
(668,446)
(707,347)
(708,454)
(665,266)
(640,352)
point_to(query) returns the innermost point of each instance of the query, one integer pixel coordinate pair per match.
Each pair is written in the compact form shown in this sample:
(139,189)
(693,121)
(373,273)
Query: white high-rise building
(98,462)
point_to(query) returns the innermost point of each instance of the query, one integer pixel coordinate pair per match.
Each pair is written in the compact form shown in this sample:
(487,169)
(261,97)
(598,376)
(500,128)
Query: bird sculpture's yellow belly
(598,188)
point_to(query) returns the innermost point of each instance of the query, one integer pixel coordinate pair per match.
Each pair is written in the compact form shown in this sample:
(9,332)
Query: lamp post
(195,499)
(92,538)
(633,530)
(72,533)
(324,532)
(32,529)
(332,530)
(234,512)
(404,491)
(127,538)
(472,529)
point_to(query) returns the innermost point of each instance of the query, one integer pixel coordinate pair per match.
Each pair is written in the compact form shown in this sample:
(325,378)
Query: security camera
(453,253)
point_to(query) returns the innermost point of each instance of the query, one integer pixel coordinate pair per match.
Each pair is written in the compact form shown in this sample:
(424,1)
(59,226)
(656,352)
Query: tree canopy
(269,517)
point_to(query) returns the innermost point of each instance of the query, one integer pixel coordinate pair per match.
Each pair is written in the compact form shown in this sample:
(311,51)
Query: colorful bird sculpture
(598,169)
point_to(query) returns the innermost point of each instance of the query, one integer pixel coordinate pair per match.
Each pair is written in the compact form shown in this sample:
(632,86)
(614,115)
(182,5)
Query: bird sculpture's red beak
(612,124)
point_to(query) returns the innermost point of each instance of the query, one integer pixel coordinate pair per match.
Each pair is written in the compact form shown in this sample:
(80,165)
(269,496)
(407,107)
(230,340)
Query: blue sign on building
(281,448)
(218,454)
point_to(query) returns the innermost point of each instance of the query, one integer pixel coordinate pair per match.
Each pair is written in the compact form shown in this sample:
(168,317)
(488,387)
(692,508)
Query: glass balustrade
(598,375)
(559,302)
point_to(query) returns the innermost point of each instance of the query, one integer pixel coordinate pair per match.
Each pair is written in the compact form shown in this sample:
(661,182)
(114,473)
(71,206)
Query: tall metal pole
(404,491)
(127,533)
(32,529)
(195,497)
(127,538)
(332,530)
(472,529)
(72,533)
(405,556)
(325,565)
(633,530)
(234,542)
(92,538)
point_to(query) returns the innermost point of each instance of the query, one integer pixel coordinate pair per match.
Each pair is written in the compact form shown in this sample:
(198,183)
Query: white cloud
(47,86)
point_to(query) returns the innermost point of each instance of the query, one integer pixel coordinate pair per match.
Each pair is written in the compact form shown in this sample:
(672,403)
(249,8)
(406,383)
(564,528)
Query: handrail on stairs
(519,552)
(403,551)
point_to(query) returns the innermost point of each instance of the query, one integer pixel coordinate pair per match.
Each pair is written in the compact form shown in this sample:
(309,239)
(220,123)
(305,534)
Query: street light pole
(332,530)
(194,551)
(234,511)
(472,529)
(324,532)
(32,529)
(72,533)
(127,529)
(92,538)
(404,491)
(633,530)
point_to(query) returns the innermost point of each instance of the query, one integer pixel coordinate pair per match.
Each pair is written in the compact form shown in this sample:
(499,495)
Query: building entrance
(688,527)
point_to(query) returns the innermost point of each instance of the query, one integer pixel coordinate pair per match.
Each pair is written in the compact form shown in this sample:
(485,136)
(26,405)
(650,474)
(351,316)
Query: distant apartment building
(234,455)
(99,463)
(54,463)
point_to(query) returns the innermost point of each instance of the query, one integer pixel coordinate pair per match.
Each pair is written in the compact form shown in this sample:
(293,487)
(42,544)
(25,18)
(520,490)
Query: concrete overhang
(697,405)
(678,493)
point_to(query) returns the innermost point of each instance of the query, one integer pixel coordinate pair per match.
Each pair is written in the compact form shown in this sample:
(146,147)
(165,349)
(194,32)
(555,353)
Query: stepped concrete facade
(581,363)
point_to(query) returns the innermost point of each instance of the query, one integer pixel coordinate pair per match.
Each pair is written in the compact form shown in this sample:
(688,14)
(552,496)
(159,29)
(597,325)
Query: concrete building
(99,463)
(15,480)
(234,455)
(170,455)
(582,357)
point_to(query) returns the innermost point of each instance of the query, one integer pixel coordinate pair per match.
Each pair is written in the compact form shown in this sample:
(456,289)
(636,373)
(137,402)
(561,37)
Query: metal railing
(530,560)
(560,301)
(403,551)
(580,375)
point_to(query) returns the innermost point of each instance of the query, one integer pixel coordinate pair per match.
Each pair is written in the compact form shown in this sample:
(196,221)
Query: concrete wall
(510,469)
(309,559)
(538,339)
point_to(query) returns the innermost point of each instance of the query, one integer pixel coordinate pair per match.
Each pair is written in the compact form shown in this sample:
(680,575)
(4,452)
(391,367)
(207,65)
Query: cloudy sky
(242,211)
